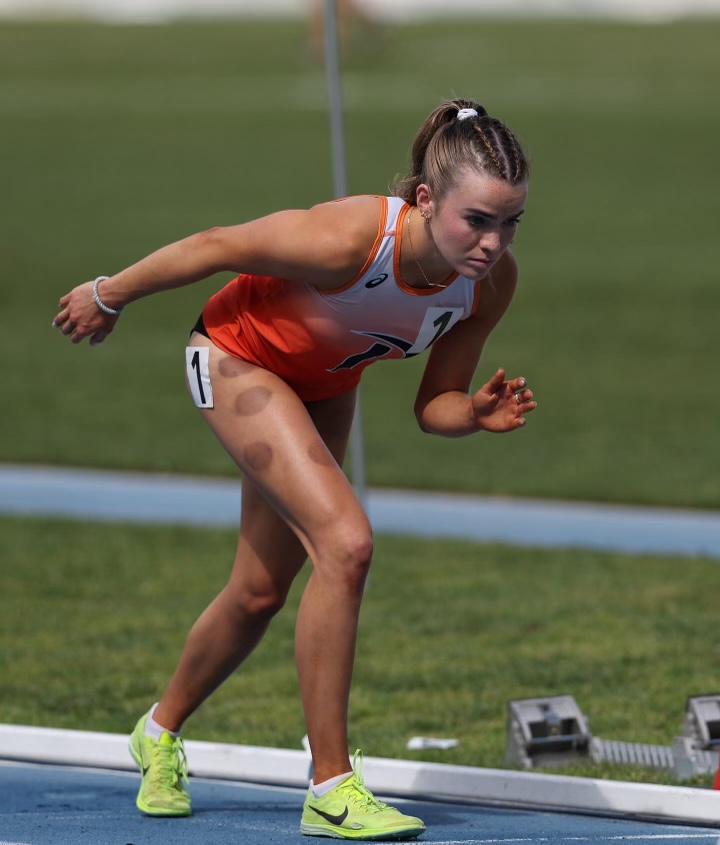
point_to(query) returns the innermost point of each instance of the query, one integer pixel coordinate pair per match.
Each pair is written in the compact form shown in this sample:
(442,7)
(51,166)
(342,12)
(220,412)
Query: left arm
(443,405)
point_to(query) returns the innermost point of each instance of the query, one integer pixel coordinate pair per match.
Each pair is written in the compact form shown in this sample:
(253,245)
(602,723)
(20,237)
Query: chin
(475,271)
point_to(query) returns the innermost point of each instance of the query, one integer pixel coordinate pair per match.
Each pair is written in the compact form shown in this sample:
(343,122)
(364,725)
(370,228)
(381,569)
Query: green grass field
(93,619)
(119,139)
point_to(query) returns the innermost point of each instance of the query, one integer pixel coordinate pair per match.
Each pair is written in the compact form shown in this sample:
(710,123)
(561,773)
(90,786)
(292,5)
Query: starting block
(697,750)
(546,732)
(554,731)
(702,721)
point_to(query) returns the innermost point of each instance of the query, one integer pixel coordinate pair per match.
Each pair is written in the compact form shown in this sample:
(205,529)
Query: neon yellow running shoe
(351,811)
(163,766)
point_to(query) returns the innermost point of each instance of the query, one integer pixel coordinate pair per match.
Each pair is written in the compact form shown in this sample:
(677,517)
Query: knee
(256,601)
(345,556)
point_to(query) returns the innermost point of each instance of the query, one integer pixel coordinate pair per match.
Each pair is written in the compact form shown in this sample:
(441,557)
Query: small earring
(425,215)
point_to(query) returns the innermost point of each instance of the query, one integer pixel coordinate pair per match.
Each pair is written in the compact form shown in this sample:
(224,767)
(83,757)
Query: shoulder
(356,213)
(325,244)
(350,225)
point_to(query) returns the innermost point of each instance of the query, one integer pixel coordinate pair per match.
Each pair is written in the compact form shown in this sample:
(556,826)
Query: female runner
(273,363)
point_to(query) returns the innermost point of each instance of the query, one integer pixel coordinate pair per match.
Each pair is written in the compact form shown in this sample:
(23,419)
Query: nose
(491,241)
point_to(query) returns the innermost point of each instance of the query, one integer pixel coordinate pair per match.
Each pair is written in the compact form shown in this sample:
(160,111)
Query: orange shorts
(254,318)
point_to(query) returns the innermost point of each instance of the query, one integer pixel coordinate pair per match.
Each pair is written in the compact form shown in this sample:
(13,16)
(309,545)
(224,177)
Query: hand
(79,317)
(499,405)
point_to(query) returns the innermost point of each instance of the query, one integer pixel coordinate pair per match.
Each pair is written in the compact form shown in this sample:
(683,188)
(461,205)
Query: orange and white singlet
(319,342)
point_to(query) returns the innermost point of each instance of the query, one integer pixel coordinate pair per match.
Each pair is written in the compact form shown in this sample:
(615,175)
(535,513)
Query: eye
(513,221)
(477,220)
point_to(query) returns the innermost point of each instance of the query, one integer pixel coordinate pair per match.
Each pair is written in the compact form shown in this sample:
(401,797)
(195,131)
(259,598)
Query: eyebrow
(490,216)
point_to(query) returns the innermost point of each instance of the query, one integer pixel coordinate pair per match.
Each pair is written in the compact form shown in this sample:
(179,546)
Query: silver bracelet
(106,309)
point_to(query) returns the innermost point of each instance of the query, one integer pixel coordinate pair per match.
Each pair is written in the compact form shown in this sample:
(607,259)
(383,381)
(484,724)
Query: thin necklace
(414,255)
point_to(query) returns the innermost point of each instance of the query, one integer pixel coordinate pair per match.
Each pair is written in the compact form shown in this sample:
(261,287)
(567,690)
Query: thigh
(269,553)
(276,441)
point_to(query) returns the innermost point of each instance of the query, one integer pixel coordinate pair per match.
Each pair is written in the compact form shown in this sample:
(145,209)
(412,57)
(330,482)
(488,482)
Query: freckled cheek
(459,239)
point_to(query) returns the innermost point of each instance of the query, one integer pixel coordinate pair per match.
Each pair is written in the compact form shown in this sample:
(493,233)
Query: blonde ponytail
(445,144)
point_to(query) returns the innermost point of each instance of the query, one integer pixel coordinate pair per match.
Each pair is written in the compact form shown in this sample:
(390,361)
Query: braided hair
(445,144)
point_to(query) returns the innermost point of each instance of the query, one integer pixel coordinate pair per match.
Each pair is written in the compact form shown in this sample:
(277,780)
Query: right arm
(324,245)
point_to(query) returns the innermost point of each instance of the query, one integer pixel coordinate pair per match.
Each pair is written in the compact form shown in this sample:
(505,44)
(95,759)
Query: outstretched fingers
(78,317)
(501,405)
(524,399)
(526,407)
(525,404)
(60,318)
(496,382)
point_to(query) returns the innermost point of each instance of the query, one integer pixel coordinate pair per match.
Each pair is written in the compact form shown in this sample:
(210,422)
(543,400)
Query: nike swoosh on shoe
(336,820)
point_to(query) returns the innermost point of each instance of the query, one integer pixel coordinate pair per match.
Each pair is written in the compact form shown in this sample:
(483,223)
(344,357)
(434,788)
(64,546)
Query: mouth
(480,262)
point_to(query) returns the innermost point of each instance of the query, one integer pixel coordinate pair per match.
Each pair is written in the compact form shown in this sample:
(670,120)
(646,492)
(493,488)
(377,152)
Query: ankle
(324,773)
(321,788)
(158,722)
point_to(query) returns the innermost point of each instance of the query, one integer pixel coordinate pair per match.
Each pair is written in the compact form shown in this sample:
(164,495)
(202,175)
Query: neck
(421,263)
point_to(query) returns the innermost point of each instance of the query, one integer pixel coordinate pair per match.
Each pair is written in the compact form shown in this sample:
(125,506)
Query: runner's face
(476,221)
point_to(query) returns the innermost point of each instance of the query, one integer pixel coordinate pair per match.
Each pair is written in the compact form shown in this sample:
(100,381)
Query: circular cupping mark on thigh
(233,367)
(258,456)
(252,401)
(319,453)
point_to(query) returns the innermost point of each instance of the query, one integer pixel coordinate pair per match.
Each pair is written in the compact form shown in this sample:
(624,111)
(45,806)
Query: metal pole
(332,73)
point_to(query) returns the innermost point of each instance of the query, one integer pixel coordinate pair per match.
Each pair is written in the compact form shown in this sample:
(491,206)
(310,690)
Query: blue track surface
(133,497)
(52,805)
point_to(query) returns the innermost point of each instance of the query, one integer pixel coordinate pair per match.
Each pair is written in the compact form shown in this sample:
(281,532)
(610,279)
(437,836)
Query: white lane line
(596,838)
(660,836)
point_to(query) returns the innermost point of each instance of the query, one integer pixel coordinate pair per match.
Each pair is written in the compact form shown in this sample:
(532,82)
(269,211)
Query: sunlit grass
(94,617)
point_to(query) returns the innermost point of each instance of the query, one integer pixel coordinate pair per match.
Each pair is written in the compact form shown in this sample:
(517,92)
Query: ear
(423,199)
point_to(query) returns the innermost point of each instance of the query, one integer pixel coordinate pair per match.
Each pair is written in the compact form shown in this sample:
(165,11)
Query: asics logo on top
(387,342)
(378,280)
(337,820)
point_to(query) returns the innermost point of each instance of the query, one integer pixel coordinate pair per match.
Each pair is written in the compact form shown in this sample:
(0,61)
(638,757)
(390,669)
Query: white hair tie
(463,114)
